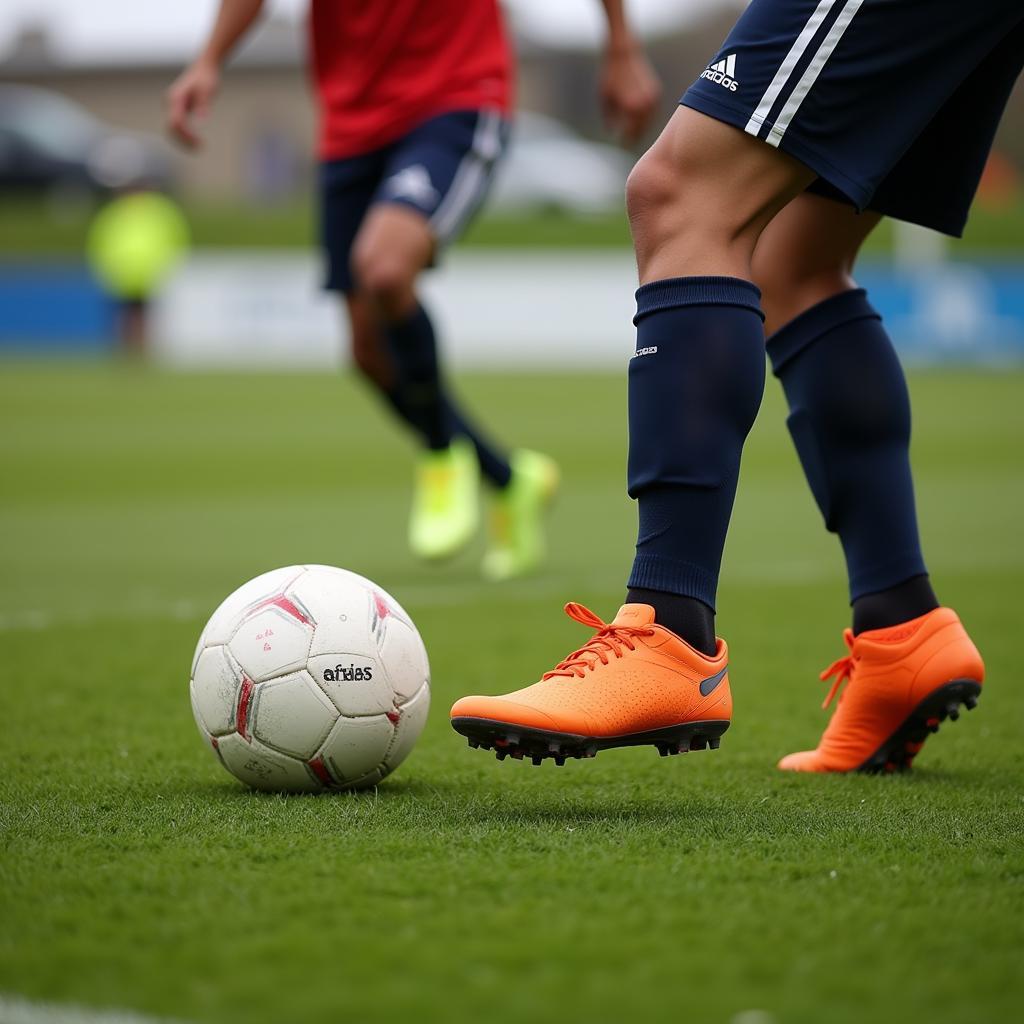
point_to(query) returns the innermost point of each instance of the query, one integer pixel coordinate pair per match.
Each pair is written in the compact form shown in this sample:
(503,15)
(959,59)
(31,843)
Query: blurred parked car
(49,144)
(549,166)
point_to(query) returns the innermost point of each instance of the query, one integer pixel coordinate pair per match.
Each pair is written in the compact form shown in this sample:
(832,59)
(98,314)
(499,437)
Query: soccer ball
(310,678)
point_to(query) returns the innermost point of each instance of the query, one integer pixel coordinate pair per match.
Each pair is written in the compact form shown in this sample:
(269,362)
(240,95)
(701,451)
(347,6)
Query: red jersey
(383,66)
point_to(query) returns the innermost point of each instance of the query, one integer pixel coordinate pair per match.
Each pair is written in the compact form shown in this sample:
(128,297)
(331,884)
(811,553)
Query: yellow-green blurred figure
(134,243)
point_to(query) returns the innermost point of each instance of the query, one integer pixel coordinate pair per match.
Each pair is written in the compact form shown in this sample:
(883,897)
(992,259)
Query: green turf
(41,230)
(135,873)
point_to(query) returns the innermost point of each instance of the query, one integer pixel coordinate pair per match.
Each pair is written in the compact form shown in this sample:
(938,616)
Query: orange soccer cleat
(634,683)
(903,681)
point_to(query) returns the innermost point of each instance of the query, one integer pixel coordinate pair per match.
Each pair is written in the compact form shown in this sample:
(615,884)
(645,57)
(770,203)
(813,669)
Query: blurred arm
(191,95)
(629,88)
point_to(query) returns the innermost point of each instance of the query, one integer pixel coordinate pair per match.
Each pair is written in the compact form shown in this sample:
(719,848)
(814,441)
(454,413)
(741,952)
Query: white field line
(454,594)
(22,1011)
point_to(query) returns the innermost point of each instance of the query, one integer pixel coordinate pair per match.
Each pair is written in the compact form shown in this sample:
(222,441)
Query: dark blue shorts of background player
(442,169)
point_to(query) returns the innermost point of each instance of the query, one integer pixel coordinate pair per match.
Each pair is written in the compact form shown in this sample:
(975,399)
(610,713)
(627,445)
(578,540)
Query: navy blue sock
(421,397)
(417,392)
(850,422)
(695,385)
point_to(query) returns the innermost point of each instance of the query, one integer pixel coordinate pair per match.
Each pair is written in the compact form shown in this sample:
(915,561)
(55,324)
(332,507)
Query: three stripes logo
(723,73)
(800,68)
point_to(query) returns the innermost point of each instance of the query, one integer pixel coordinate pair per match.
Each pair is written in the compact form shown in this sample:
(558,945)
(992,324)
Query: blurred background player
(415,98)
(134,242)
(813,121)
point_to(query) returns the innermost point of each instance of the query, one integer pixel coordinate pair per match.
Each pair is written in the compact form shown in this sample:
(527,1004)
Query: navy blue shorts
(441,169)
(893,103)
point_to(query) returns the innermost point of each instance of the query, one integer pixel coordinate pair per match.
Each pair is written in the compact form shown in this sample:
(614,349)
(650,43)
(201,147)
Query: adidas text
(649,350)
(723,73)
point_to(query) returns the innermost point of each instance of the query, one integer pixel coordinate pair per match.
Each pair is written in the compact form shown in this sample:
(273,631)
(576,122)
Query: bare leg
(698,200)
(806,255)
(701,195)
(393,341)
(393,246)
(369,347)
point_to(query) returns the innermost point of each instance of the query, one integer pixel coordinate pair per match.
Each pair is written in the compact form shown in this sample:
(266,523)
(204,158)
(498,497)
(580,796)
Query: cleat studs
(697,743)
(970,703)
(714,743)
(474,743)
(559,760)
(953,711)
(537,759)
(501,754)
(663,751)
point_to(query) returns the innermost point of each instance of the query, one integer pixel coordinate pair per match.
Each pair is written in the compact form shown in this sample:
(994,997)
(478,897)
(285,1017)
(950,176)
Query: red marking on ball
(393,716)
(244,700)
(287,605)
(319,769)
(383,609)
(214,743)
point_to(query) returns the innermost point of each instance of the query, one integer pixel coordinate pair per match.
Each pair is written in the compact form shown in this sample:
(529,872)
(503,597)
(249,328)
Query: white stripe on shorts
(471,177)
(796,97)
(787,67)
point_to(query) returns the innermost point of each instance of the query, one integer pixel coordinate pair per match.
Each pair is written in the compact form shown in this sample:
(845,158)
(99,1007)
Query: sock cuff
(674,292)
(656,572)
(891,572)
(803,330)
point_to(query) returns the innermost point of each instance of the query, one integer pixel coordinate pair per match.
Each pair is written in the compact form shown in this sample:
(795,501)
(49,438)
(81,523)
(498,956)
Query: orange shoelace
(607,641)
(841,668)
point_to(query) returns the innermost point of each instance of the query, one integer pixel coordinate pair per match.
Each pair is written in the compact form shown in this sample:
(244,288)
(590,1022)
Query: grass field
(135,873)
(40,230)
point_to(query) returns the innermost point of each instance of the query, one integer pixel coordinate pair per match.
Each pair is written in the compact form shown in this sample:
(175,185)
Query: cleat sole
(540,744)
(897,753)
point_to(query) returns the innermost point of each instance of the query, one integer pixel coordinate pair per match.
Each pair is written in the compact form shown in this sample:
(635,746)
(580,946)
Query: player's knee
(671,198)
(384,277)
(651,188)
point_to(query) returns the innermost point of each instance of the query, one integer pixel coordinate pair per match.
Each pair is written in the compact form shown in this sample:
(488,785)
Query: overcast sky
(130,29)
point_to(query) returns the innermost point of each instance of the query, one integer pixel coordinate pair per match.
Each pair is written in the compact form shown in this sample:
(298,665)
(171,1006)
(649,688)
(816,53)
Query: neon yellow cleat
(517,517)
(445,505)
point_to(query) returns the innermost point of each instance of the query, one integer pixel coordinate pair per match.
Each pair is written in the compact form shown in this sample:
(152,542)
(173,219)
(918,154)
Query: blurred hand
(629,92)
(189,100)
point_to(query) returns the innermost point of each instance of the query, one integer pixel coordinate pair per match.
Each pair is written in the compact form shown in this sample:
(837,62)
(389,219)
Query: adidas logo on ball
(351,674)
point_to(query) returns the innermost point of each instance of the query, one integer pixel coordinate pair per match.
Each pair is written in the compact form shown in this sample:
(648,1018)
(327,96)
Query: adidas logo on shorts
(723,73)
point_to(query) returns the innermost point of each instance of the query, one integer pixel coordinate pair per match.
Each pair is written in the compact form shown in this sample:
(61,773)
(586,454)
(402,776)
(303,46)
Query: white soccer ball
(310,678)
